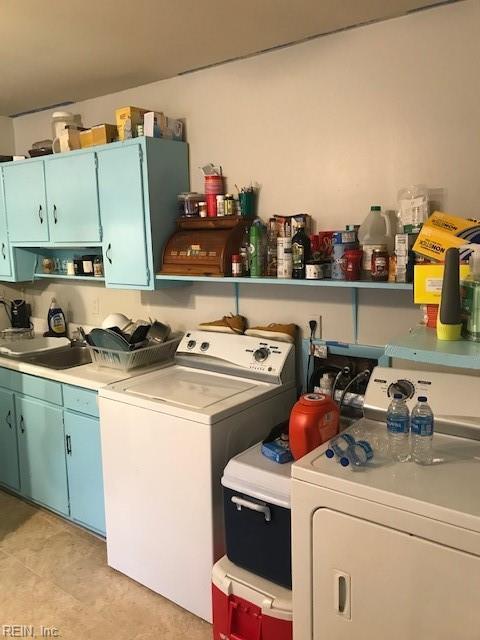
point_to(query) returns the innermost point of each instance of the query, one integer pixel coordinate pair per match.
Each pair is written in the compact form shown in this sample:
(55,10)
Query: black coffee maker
(20,314)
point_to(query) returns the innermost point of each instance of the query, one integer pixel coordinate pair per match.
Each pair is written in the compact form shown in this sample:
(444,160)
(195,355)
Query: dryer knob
(261,354)
(191,344)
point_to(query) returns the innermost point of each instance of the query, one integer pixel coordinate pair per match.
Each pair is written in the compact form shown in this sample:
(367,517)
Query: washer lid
(187,388)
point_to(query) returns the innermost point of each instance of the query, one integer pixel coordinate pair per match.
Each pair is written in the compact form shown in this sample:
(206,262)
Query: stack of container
(214,185)
(251,585)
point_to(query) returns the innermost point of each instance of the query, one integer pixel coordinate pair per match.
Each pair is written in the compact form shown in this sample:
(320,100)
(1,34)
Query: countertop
(87,376)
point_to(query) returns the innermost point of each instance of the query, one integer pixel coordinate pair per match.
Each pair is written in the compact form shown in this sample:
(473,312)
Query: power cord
(313,328)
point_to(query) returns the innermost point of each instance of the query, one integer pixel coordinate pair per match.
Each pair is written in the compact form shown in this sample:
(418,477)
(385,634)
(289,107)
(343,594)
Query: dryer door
(371,583)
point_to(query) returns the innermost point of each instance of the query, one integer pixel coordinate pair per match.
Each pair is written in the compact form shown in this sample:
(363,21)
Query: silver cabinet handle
(8,419)
(108,252)
(254,506)
(4,255)
(55,219)
(40,214)
(22,424)
(68,441)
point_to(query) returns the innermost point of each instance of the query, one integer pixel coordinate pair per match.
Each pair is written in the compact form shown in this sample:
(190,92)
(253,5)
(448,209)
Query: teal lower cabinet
(41,452)
(9,474)
(84,468)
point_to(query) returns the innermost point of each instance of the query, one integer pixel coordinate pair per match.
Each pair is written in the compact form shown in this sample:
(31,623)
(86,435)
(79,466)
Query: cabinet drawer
(40,388)
(10,379)
(82,400)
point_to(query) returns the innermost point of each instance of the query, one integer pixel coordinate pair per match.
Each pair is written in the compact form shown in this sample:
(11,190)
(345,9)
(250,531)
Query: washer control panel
(264,358)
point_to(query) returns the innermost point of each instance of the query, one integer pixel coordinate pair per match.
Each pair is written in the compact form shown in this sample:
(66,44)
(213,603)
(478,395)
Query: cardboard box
(427,282)
(442,231)
(104,133)
(128,119)
(86,139)
(157,125)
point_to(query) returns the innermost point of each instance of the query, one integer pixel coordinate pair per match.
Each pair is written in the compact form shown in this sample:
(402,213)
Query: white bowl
(116,320)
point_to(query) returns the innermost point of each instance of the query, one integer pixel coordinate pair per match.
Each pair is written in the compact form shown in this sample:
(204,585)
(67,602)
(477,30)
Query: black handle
(8,419)
(107,252)
(22,424)
(3,251)
(40,214)
(55,219)
(69,444)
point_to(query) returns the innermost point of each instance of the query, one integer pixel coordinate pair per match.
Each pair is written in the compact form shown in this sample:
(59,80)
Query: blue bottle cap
(422,398)
(344,462)
(330,453)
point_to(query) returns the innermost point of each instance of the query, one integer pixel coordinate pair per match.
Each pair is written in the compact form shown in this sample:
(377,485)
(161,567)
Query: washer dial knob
(405,387)
(261,354)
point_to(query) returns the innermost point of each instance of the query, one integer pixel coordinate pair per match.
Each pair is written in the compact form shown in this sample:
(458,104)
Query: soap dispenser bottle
(57,327)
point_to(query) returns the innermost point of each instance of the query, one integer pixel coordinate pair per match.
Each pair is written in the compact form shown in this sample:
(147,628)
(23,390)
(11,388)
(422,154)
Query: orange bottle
(314,419)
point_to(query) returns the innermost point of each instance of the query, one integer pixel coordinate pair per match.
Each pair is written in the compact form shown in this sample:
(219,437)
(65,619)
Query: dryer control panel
(252,357)
(452,397)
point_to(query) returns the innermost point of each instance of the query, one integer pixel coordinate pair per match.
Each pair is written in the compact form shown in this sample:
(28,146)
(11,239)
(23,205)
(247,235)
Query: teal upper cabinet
(72,198)
(25,202)
(5,259)
(8,441)
(41,450)
(120,181)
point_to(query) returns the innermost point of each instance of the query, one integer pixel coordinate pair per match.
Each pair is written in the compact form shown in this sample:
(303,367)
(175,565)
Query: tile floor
(56,575)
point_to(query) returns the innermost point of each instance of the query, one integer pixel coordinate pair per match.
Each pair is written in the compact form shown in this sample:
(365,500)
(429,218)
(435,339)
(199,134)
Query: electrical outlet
(96,307)
(320,351)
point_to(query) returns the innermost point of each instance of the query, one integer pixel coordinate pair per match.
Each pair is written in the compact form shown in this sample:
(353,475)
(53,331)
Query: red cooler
(246,607)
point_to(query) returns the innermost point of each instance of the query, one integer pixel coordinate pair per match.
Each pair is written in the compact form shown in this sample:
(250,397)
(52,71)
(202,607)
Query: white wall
(326,127)
(7,142)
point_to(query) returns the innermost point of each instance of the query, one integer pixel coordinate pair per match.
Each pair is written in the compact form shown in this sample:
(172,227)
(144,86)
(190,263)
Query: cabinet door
(41,448)
(25,202)
(120,188)
(72,198)
(8,441)
(371,582)
(5,264)
(84,465)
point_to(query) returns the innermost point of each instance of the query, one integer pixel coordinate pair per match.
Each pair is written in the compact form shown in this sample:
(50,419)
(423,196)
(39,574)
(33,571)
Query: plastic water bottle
(422,423)
(339,445)
(358,454)
(398,426)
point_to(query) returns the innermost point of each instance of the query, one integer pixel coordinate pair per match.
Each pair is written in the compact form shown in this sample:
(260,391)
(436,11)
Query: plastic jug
(313,420)
(376,229)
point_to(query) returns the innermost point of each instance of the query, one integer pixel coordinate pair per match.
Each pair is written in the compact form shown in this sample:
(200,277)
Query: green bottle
(256,249)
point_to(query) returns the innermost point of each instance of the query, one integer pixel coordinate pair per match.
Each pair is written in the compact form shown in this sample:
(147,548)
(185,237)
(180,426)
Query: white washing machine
(392,550)
(166,438)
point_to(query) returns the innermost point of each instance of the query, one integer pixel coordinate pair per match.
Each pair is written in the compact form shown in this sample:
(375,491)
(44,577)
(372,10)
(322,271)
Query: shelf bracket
(355,314)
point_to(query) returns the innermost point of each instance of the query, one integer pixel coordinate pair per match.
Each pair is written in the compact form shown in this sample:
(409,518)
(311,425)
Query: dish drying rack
(128,360)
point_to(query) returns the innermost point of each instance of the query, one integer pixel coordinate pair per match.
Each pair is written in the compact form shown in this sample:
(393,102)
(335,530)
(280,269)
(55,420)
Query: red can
(214,185)
(352,264)
(380,262)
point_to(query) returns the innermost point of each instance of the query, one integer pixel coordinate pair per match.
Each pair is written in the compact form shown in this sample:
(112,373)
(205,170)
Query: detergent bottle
(57,327)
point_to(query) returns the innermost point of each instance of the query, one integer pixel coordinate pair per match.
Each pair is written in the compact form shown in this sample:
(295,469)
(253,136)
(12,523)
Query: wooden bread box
(204,246)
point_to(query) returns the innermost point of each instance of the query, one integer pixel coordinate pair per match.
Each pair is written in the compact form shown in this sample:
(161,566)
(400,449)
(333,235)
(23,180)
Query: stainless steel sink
(64,358)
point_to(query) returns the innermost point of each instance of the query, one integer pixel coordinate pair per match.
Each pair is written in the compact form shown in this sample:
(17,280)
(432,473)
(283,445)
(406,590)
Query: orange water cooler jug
(314,419)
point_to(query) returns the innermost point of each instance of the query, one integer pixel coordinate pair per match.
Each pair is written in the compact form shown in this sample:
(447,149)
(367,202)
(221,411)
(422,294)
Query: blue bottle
(421,425)
(339,445)
(398,427)
(57,327)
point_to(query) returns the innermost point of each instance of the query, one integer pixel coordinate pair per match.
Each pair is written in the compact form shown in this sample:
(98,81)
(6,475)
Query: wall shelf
(362,284)
(60,276)
(421,345)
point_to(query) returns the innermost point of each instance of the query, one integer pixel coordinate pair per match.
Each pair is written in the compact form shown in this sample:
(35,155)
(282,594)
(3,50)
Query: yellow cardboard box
(427,282)
(104,133)
(130,116)
(442,231)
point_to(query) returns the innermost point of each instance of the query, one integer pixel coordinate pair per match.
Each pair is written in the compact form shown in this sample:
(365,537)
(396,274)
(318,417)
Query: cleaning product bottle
(57,327)
(256,249)
(449,321)
(471,297)
(375,232)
